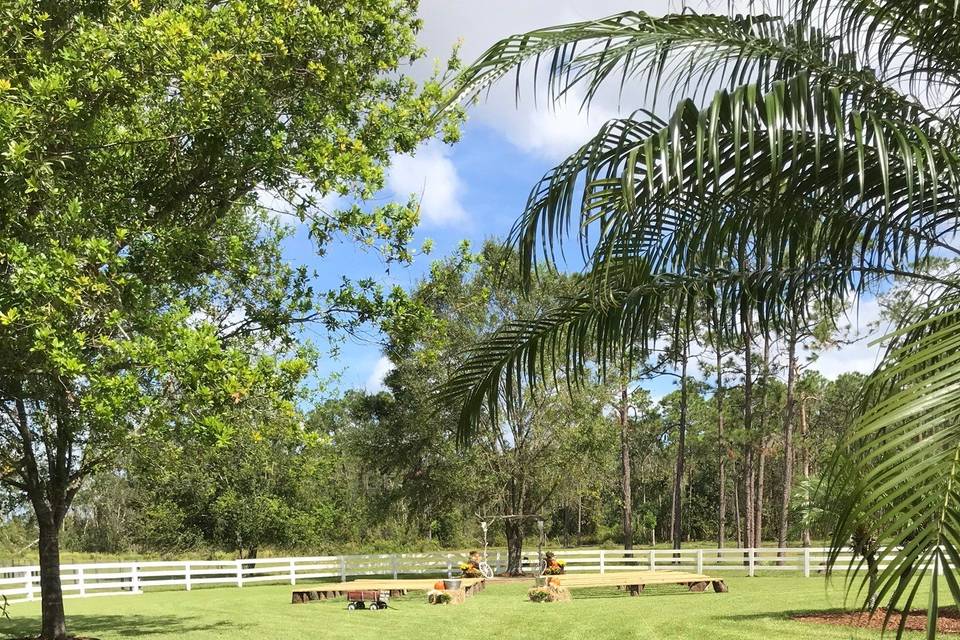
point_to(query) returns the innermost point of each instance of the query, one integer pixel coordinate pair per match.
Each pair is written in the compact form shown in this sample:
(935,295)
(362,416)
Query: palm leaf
(879,193)
(899,474)
(678,55)
(910,42)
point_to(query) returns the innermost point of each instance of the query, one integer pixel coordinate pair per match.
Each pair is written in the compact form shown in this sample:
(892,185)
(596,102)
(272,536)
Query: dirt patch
(948,622)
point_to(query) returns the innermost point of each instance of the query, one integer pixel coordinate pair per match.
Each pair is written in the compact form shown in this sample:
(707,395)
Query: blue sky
(492,178)
(476,189)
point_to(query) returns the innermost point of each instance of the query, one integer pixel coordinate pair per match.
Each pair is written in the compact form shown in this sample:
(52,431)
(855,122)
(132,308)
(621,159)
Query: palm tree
(825,165)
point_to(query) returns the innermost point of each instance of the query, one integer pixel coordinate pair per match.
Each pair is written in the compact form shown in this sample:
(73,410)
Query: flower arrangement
(469,570)
(439,597)
(549,594)
(539,594)
(555,568)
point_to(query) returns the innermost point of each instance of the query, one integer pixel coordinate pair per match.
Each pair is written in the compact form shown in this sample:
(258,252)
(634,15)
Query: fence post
(239,573)
(186,575)
(343,569)
(653,560)
(806,562)
(29,583)
(135,578)
(752,561)
(449,567)
(699,560)
(393,565)
(293,572)
(602,562)
(497,566)
(81,582)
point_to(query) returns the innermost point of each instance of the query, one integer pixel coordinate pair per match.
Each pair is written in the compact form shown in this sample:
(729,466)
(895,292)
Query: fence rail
(19,584)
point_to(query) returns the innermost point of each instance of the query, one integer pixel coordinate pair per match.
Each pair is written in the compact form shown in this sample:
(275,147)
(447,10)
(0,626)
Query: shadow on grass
(125,626)
(790,615)
(613,594)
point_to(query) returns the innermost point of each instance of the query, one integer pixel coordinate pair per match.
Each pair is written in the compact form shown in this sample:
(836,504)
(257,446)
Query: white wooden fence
(121,578)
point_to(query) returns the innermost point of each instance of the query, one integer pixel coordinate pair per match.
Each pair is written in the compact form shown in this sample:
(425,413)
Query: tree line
(718,457)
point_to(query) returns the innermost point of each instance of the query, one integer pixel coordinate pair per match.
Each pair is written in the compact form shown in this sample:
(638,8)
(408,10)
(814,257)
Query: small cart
(373,600)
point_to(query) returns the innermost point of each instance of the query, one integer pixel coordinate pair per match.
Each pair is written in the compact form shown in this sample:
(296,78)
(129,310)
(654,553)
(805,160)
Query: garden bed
(949,621)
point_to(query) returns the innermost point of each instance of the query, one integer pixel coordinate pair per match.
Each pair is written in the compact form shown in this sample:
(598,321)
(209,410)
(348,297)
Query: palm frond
(898,476)
(917,43)
(793,171)
(678,56)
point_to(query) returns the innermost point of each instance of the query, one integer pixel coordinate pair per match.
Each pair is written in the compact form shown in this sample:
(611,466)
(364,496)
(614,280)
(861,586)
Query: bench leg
(720,586)
(698,586)
(635,589)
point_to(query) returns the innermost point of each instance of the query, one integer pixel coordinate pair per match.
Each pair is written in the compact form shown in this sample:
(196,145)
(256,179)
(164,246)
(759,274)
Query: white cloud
(432,176)
(552,132)
(532,125)
(375,380)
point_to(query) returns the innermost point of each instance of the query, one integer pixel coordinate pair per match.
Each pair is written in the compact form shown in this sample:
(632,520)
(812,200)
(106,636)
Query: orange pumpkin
(439,586)
(553,582)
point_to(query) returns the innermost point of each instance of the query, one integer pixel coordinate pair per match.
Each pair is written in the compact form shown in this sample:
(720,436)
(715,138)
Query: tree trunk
(625,479)
(806,465)
(50,498)
(579,518)
(788,445)
(721,457)
(54,624)
(677,522)
(761,466)
(736,515)
(748,472)
(514,532)
(761,475)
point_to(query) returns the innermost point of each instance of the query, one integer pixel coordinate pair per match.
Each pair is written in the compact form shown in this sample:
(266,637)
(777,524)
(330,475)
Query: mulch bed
(948,622)
(68,638)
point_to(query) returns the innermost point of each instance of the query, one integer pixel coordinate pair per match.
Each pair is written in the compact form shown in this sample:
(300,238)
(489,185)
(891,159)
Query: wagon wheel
(485,570)
(351,606)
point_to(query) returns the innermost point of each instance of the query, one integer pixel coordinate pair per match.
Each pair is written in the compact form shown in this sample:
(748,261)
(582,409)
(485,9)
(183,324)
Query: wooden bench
(317,592)
(635,581)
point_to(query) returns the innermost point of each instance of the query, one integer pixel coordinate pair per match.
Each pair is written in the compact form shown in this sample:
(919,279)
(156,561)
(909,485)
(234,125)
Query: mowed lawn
(755,608)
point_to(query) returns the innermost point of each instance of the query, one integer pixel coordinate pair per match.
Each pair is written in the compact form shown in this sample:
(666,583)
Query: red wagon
(372,599)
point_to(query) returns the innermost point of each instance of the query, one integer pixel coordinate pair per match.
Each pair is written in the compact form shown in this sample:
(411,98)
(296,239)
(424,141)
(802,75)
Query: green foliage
(254,491)
(409,439)
(143,291)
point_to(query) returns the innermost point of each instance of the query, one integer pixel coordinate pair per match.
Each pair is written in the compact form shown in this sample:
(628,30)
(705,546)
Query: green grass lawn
(755,608)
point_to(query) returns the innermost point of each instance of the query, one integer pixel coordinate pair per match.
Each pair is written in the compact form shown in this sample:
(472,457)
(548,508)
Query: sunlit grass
(756,609)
